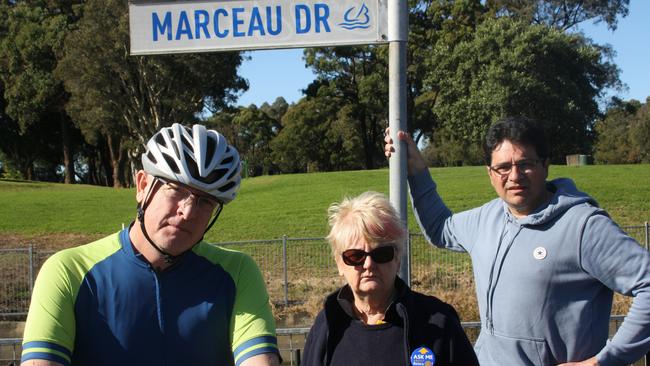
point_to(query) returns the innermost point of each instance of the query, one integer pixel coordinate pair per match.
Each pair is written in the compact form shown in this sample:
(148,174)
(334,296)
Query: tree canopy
(75,101)
(508,68)
(251,130)
(32,38)
(624,133)
(563,14)
(123,99)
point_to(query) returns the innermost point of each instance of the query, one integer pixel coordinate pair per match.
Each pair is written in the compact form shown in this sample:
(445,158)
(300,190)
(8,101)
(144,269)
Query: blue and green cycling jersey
(103,304)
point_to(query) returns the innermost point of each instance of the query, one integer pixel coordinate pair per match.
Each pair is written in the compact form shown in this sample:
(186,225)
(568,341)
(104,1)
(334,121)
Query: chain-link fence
(296,270)
(299,273)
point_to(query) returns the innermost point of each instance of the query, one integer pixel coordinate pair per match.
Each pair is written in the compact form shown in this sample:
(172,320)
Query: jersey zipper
(159,309)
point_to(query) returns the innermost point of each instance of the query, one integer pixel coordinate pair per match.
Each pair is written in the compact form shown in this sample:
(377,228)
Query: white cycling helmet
(197,157)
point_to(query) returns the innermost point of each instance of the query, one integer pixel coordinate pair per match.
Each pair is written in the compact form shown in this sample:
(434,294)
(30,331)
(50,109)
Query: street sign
(196,26)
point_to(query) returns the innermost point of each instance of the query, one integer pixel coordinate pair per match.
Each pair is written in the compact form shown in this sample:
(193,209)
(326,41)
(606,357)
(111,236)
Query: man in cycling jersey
(155,293)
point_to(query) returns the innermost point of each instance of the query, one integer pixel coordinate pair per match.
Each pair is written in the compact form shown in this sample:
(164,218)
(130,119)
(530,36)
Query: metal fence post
(30,256)
(408,253)
(286,276)
(296,356)
(647,236)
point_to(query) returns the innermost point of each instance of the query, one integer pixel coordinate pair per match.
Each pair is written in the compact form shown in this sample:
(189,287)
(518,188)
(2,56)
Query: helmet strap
(169,258)
(214,219)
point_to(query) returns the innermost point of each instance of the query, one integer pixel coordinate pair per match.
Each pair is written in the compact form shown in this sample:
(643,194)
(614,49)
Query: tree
(126,99)
(250,130)
(276,110)
(640,133)
(29,153)
(563,14)
(509,67)
(434,28)
(316,137)
(18,156)
(624,133)
(33,36)
(355,77)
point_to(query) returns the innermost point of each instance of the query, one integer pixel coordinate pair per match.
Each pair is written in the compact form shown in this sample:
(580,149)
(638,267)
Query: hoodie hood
(566,195)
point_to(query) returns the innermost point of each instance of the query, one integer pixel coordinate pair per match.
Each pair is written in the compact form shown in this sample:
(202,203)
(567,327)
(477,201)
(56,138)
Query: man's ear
(141,183)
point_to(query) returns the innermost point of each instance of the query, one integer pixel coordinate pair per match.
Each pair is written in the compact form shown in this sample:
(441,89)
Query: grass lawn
(295,205)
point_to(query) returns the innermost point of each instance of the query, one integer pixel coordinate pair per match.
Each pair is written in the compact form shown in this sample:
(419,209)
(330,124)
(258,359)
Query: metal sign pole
(397,38)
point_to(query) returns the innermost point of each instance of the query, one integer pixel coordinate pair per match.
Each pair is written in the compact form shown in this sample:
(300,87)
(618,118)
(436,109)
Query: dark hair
(520,130)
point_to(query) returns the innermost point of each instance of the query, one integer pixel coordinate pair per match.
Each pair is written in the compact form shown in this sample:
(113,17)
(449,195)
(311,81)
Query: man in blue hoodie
(546,259)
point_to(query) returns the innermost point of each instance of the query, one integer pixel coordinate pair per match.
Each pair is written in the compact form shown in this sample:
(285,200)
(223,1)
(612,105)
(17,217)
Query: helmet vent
(151,157)
(214,175)
(191,165)
(172,164)
(227,160)
(226,187)
(160,140)
(186,142)
(233,173)
(178,154)
(210,151)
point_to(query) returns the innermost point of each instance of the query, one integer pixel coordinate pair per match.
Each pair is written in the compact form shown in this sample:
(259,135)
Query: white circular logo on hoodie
(539,253)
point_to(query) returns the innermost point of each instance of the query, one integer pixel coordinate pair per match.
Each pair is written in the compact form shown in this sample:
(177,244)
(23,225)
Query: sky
(274,73)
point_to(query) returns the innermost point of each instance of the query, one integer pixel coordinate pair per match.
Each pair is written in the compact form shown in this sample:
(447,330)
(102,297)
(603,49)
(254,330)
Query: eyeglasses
(526,166)
(177,193)
(356,257)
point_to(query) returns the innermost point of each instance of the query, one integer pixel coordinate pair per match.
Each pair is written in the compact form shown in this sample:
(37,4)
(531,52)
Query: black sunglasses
(356,257)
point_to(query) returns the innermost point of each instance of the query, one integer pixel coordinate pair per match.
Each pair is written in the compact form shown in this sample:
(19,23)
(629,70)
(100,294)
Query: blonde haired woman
(375,319)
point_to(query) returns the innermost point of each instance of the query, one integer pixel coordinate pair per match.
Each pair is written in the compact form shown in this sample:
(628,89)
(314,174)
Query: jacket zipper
(488,312)
(491,286)
(405,317)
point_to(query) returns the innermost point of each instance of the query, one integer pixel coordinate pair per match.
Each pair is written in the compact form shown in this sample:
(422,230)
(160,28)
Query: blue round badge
(423,356)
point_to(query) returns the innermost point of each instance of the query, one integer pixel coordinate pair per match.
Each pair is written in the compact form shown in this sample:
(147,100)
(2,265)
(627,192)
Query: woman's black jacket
(426,320)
